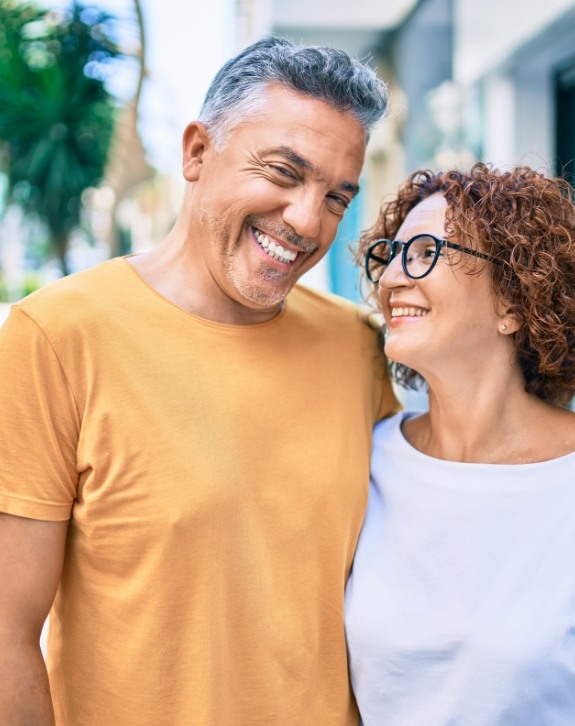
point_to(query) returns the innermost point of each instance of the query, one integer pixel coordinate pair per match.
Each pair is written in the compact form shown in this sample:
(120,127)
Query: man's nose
(303,213)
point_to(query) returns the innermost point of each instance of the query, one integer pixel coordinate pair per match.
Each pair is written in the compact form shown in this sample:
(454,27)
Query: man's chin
(265,296)
(262,302)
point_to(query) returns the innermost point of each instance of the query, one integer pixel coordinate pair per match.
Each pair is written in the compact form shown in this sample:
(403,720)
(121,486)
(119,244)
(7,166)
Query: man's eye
(341,202)
(283,171)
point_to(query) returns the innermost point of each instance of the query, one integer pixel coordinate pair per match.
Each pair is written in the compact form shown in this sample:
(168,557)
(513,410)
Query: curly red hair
(526,221)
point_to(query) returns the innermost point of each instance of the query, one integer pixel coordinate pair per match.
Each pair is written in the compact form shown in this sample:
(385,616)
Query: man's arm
(31,556)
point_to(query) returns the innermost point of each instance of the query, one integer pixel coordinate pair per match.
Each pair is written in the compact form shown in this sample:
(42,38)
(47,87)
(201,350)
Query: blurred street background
(94,97)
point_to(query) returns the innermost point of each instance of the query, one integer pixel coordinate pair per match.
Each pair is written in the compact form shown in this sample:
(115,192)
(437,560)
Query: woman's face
(446,321)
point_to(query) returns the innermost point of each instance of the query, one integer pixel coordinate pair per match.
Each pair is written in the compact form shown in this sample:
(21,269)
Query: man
(184,463)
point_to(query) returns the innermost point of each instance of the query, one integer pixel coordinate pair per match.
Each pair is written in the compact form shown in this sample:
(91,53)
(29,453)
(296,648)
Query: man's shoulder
(75,295)
(327,308)
(304,298)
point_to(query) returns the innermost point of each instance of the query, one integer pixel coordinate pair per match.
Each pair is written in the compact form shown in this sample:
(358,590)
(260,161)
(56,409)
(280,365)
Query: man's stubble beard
(229,251)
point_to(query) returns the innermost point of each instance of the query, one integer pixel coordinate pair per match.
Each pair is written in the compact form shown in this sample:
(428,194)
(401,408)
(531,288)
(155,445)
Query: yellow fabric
(215,478)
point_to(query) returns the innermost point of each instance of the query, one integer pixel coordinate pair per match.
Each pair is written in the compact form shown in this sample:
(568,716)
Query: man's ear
(196,141)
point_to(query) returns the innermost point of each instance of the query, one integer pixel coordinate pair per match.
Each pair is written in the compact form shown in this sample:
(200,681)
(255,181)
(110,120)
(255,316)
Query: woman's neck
(490,420)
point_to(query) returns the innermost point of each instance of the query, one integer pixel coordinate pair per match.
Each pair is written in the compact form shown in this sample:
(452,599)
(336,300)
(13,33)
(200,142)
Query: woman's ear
(508,321)
(195,143)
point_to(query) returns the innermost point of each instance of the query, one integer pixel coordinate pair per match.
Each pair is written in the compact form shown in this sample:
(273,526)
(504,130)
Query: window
(565,123)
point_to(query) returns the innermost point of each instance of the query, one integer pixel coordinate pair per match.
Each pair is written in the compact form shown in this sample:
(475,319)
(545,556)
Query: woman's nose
(394,275)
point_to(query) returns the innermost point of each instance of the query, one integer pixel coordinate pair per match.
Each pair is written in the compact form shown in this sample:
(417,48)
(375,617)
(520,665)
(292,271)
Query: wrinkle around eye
(339,211)
(276,173)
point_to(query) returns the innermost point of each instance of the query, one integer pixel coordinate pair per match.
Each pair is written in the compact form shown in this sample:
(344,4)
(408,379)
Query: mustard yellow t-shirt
(215,478)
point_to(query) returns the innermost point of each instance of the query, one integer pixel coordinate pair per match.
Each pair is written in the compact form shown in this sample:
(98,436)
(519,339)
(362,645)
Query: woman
(460,610)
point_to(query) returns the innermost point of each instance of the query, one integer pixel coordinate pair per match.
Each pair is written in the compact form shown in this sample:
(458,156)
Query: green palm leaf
(56,116)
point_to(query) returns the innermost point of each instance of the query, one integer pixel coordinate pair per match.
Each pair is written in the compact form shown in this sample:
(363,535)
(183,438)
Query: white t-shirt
(460,609)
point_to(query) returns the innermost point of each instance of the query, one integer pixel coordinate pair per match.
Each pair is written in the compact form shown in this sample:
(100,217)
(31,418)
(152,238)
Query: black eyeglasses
(419,255)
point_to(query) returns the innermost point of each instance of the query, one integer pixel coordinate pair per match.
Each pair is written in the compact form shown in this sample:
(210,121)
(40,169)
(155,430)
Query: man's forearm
(24,690)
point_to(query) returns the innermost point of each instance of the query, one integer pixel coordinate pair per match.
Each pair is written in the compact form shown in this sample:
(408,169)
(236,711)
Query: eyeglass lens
(419,254)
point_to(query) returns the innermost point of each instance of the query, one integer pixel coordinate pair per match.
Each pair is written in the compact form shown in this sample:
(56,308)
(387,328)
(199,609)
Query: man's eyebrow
(299,160)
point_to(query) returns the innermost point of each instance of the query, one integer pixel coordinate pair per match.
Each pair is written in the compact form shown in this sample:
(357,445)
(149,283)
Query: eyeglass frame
(395,244)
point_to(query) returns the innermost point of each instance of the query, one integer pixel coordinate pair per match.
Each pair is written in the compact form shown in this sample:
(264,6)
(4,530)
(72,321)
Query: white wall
(488,31)
(333,14)
(187,42)
(499,120)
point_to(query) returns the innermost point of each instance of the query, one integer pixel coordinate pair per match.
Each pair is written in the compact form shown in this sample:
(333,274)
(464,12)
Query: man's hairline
(251,116)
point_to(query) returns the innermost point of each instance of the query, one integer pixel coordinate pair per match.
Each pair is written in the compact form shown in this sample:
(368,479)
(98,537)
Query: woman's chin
(396,353)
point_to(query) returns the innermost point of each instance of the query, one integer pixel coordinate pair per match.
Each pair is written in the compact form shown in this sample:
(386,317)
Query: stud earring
(502,327)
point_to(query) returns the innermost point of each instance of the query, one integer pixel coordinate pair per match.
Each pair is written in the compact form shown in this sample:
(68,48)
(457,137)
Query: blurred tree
(56,116)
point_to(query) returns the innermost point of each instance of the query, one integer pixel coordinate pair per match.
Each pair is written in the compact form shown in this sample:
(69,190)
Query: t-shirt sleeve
(39,424)
(386,403)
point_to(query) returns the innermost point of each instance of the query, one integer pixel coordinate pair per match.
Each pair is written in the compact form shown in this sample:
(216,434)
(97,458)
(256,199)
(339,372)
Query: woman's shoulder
(391,423)
(551,433)
(388,431)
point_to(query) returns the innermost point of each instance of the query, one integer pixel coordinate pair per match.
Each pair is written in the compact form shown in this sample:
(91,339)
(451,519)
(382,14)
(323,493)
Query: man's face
(267,207)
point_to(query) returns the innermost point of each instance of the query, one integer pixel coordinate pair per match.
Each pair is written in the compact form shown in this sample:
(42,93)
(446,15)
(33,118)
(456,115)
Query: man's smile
(273,249)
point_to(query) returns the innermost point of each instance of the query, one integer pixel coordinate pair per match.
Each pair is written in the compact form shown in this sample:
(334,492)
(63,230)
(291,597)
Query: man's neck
(176,281)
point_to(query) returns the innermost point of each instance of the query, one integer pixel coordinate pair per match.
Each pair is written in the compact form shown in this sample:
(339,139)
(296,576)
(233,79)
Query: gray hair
(323,73)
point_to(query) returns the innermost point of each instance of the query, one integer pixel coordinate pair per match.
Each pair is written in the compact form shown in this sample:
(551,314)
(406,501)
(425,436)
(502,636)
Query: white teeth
(408,312)
(274,250)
